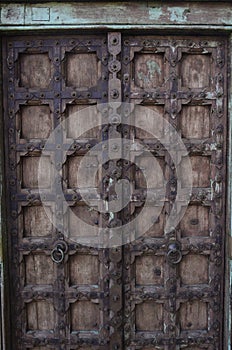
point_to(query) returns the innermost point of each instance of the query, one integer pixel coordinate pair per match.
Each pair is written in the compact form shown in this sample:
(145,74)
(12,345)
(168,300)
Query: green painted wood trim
(108,15)
(205,29)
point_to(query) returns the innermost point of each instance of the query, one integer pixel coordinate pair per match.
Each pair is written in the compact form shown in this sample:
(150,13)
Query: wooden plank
(84,269)
(149,270)
(196,123)
(192,74)
(82,70)
(193,315)
(36,122)
(194,269)
(4,287)
(228,264)
(149,317)
(85,316)
(35,71)
(39,270)
(112,1)
(121,13)
(40,316)
(195,221)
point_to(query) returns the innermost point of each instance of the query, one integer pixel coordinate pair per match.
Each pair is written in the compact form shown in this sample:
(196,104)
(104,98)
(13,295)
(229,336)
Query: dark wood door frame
(224,31)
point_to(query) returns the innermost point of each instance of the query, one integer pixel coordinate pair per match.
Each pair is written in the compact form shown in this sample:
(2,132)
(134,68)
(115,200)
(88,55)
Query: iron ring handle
(174,254)
(54,254)
(176,260)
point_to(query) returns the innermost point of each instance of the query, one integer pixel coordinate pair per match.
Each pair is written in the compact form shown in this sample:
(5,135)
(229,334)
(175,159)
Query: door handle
(58,253)
(174,254)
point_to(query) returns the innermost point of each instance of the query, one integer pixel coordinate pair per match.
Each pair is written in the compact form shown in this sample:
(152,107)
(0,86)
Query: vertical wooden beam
(228,311)
(1,255)
(228,250)
(4,297)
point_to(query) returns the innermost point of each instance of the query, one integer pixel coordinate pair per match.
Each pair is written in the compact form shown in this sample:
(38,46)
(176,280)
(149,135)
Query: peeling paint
(40,13)
(155,13)
(117,13)
(151,69)
(12,14)
(178,14)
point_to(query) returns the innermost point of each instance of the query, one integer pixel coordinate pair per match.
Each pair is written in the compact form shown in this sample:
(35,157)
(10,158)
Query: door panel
(54,305)
(131,297)
(175,305)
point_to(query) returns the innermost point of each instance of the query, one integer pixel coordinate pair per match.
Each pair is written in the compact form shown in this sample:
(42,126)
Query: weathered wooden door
(165,289)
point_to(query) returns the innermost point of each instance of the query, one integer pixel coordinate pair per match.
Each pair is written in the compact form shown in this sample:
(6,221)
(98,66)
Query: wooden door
(179,304)
(163,290)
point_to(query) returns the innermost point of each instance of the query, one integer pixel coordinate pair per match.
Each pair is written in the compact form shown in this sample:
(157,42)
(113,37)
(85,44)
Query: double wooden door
(162,290)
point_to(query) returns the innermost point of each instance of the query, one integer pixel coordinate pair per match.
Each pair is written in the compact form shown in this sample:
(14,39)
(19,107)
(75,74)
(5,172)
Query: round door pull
(174,254)
(57,255)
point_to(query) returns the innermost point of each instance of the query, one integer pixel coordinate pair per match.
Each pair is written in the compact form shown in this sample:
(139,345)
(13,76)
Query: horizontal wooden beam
(111,1)
(108,14)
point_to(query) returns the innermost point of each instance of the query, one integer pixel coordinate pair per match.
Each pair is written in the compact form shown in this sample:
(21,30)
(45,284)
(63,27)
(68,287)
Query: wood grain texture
(84,269)
(85,316)
(149,270)
(81,301)
(36,169)
(123,13)
(142,120)
(73,165)
(36,221)
(89,216)
(184,98)
(149,317)
(157,222)
(35,71)
(195,71)
(39,270)
(193,315)
(77,121)
(152,174)
(148,70)
(82,70)
(40,316)
(36,122)
(200,172)
(195,221)
(194,269)
(195,122)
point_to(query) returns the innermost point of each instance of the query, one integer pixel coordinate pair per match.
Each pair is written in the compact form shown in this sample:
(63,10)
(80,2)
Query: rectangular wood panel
(36,221)
(38,270)
(84,269)
(35,122)
(82,70)
(195,122)
(35,71)
(149,317)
